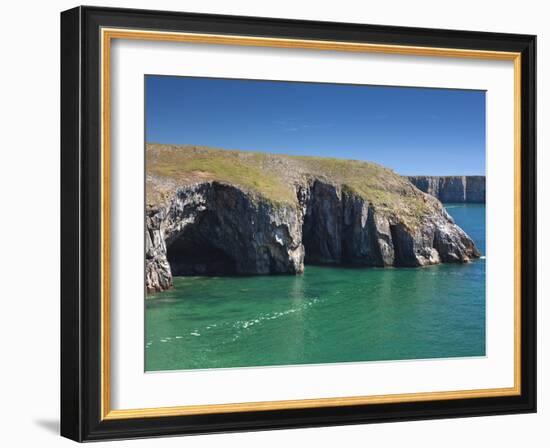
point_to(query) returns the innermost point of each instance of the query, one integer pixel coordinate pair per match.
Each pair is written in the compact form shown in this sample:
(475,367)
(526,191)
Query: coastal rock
(213,228)
(158,275)
(475,189)
(322,223)
(461,189)
(217,229)
(220,212)
(341,227)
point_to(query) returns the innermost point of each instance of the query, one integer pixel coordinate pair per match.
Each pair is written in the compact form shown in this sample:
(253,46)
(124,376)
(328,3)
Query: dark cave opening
(193,253)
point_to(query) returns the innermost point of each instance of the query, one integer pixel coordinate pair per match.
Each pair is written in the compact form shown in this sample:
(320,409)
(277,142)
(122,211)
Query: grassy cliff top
(273,175)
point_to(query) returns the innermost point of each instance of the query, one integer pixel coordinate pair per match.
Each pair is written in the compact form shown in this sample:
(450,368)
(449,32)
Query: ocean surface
(328,314)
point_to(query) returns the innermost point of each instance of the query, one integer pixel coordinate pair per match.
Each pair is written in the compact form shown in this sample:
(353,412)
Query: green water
(328,314)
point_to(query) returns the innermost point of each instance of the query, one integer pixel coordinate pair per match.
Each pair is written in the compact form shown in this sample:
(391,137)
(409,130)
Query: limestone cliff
(213,212)
(452,188)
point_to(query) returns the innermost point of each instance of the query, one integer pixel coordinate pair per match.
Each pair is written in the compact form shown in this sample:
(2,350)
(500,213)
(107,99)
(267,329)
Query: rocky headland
(220,212)
(462,189)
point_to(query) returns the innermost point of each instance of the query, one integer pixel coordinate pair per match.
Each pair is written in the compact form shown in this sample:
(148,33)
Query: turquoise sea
(328,314)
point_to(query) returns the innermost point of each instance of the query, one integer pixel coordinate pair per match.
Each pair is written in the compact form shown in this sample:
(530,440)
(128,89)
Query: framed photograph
(274,223)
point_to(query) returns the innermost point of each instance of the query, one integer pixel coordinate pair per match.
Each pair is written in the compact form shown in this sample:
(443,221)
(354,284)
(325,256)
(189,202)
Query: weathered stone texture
(462,189)
(213,228)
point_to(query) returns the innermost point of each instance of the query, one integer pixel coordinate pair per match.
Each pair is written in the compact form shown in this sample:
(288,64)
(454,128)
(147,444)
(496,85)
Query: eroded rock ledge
(216,228)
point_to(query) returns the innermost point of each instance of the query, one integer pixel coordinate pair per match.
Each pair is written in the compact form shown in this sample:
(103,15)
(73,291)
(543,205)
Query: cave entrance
(192,252)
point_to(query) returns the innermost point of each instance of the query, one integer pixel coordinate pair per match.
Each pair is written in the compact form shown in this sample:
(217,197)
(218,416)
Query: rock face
(452,188)
(215,228)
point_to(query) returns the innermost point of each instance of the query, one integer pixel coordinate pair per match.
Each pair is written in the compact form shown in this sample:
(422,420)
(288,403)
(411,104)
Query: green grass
(273,176)
(186,165)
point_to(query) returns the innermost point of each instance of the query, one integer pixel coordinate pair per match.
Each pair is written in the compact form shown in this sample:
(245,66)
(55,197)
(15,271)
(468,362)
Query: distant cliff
(452,188)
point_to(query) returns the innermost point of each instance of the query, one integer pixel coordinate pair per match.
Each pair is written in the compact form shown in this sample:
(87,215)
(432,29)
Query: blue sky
(411,130)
